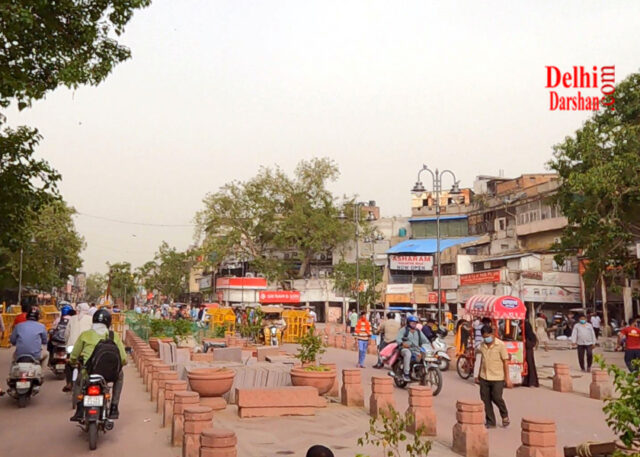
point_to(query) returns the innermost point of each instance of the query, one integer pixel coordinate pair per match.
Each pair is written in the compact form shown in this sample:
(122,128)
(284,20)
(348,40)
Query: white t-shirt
(595,321)
(313,316)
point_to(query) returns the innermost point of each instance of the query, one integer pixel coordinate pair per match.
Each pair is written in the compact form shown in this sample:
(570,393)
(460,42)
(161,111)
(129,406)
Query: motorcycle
(25,379)
(59,358)
(273,332)
(96,402)
(423,370)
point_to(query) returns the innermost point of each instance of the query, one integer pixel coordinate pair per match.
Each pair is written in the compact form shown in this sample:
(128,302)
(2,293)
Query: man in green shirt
(83,348)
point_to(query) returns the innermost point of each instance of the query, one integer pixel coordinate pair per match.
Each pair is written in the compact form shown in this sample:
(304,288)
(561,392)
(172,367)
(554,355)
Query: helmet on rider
(412,321)
(33,314)
(102,316)
(65,310)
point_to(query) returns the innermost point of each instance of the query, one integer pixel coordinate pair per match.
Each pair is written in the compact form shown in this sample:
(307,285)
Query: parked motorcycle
(423,370)
(440,349)
(96,402)
(25,379)
(58,359)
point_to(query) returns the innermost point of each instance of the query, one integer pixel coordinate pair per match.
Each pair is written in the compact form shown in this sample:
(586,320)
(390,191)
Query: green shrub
(311,346)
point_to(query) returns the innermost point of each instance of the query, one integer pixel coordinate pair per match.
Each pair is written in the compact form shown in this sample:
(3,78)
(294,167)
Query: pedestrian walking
(541,331)
(584,338)
(493,376)
(353,320)
(632,344)
(595,323)
(363,333)
(530,343)
(388,331)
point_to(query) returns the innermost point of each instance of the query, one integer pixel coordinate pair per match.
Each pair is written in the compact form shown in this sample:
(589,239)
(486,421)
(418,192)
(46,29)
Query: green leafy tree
(171,271)
(43,45)
(122,281)
(344,277)
(270,213)
(599,169)
(52,254)
(96,286)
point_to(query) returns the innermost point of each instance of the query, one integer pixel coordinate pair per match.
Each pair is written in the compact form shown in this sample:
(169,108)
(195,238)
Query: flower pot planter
(154,341)
(321,380)
(211,382)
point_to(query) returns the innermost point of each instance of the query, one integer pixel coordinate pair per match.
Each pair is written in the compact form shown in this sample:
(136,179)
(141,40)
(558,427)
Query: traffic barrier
(157,385)
(181,400)
(7,320)
(470,436)
(421,408)
(381,395)
(600,387)
(538,438)
(352,393)
(562,381)
(196,420)
(218,442)
(170,390)
(222,317)
(298,324)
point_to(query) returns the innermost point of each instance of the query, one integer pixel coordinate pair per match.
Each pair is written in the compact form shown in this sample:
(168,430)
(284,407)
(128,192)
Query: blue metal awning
(442,218)
(428,245)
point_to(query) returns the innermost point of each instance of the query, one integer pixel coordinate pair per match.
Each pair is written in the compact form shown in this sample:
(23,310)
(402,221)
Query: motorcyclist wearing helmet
(84,346)
(410,339)
(57,335)
(29,337)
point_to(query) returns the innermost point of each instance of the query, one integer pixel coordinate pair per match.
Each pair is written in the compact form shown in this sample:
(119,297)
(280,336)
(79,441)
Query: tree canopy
(43,45)
(122,280)
(167,273)
(96,286)
(599,169)
(272,212)
(51,255)
(344,277)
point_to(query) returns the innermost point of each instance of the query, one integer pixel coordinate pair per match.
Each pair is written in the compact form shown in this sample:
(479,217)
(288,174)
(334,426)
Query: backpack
(105,359)
(58,333)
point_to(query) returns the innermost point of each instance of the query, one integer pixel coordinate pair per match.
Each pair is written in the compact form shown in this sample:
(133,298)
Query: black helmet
(33,314)
(102,316)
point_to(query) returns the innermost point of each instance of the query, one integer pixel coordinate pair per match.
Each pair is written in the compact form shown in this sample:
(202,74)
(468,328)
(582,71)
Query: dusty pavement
(43,428)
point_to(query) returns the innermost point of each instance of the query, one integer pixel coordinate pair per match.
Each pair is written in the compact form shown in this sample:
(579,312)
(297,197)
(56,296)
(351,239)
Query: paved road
(578,417)
(43,428)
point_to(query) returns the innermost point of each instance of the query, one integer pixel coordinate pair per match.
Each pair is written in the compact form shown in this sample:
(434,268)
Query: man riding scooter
(84,348)
(29,336)
(410,339)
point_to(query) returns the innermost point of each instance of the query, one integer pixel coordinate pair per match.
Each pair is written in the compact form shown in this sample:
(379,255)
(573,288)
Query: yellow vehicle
(273,325)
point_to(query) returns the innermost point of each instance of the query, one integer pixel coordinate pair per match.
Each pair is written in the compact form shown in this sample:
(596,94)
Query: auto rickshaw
(507,316)
(273,325)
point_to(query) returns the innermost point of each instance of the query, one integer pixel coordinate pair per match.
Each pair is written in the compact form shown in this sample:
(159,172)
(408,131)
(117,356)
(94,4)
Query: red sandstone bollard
(352,392)
(538,438)
(350,343)
(331,341)
(152,374)
(148,363)
(421,407)
(372,347)
(218,442)
(143,360)
(600,387)
(162,377)
(181,401)
(381,395)
(170,389)
(470,436)
(562,381)
(335,388)
(196,420)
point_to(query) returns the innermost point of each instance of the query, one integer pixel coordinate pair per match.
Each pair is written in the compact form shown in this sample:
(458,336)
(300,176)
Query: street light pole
(437,189)
(20,281)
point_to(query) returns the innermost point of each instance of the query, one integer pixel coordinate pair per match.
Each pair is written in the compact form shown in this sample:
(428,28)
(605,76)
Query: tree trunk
(304,265)
(605,311)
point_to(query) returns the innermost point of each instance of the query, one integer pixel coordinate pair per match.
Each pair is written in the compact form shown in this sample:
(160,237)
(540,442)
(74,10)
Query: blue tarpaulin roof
(427,245)
(442,218)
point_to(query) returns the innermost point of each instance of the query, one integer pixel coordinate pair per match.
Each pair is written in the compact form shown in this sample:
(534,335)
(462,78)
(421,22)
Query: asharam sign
(411,262)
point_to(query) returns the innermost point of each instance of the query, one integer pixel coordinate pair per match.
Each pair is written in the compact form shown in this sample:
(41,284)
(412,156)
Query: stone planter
(211,382)
(153,342)
(321,380)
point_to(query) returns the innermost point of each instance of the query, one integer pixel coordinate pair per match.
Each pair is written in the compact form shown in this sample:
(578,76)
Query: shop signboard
(241,283)
(399,288)
(411,262)
(449,282)
(279,296)
(481,277)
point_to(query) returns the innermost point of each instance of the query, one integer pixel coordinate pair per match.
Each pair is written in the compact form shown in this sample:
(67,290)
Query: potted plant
(159,330)
(182,330)
(311,373)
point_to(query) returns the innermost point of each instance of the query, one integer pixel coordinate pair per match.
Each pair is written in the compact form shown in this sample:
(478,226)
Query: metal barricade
(298,324)
(117,323)
(7,320)
(222,317)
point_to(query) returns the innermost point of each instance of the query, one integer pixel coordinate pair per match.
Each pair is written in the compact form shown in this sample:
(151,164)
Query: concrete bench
(278,401)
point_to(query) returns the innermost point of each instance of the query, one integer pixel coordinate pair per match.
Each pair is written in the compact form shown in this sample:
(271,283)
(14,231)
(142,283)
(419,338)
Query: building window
(448,269)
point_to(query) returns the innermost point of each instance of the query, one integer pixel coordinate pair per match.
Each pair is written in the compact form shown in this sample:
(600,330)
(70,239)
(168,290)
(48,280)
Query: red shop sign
(481,277)
(279,296)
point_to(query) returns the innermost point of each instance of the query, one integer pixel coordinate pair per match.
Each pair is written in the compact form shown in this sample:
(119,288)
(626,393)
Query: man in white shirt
(584,338)
(595,323)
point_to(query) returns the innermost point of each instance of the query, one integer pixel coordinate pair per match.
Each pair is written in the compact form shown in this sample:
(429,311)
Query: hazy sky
(217,88)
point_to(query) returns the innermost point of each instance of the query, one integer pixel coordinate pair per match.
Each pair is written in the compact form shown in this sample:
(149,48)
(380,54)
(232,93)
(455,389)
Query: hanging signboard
(481,277)
(411,262)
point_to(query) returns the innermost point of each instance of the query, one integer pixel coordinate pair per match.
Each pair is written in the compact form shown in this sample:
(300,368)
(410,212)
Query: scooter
(423,370)
(96,402)
(440,350)
(25,379)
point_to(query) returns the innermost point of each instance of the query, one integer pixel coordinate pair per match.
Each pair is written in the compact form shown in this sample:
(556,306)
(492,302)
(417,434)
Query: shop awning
(428,245)
(496,307)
